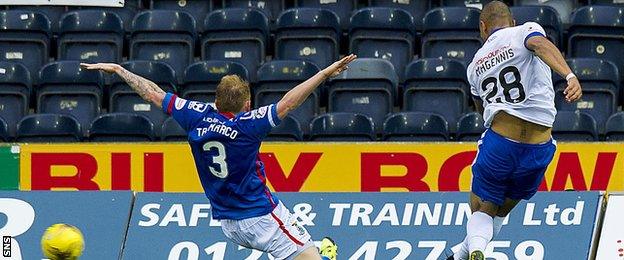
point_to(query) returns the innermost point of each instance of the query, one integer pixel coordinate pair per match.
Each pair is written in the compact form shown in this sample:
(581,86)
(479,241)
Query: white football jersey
(509,77)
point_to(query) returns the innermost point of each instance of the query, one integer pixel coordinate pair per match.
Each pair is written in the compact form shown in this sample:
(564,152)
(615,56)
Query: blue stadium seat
(197,8)
(121,127)
(479,4)
(270,8)
(201,78)
(4,131)
(15,88)
(342,127)
(126,13)
(66,88)
(600,82)
(368,87)
(172,131)
(311,34)
(385,33)
(544,15)
(25,38)
(574,126)
(451,32)
(48,128)
(288,130)
(596,32)
(415,8)
(52,12)
(90,36)
(123,99)
(437,86)
(564,8)
(164,35)
(470,127)
(606,2)
(342,8)
(615,127)
(415,126)
(277,77)
(236,34)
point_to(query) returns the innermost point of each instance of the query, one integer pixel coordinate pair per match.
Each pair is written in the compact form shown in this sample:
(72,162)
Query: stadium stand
(197,8)
(342,127)
(270,8)
(15,89)
(310,34)
(90,36)
(123,99)
(470,127)
(415,126)
(383,33)
(126,13)
(342,8)
(25,38)
(275,78)
(416,9)
(48,128)
(236,34)
(451,32)
(614,131)
(545,15)
(288,130)
(606,2)
(66,88)
(121,127)
(467,3)
(172,131)
(201,78)
(564,8)
(52,12)
(437,86)
(574,126)
(4,131)
(368,88)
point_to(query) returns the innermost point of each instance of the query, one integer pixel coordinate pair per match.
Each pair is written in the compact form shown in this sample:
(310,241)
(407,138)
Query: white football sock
(480,230)
(462,251)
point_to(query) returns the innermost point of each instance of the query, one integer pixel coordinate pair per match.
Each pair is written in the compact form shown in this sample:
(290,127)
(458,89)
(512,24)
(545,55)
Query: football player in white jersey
(510,80)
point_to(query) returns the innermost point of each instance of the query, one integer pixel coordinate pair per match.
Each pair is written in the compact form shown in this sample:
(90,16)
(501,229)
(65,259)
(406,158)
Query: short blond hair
(232,93)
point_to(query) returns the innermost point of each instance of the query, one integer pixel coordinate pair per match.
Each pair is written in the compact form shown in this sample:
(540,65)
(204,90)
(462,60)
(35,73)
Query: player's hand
(339,66)
(573,91)
(106,67)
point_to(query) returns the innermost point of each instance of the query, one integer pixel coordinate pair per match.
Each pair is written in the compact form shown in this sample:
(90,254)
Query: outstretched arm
(549,53)
(293,99)
(147,89)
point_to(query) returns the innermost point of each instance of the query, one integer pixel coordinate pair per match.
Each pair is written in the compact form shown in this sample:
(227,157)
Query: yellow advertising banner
(335,167)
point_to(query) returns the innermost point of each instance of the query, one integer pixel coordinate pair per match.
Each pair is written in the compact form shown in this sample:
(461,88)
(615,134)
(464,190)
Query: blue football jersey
(225,148)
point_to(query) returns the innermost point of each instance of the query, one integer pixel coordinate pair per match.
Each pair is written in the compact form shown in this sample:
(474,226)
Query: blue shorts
(508,169)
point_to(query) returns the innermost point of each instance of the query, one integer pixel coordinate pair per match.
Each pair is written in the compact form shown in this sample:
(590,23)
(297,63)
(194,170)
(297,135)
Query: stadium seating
(25,38)
(236,34)
(288,130)
(52,12)
(172,131)
(467,3)
(277,77)
(596,32)
(15,88)
(574,126)
(197,8)
(270,8)
(342,127)
(121,127)
(126,13)
(385,33)
(164,35)
(342,8)
(437,86)
(599,79)
(564,8)
(91,36)
(66,88)
(46,128)
(546,16)
(201,78)
(310,34)
(416,9)
(368,87)
(470,127)
(451,32)
(615,127)
(125,99)
(4,131)
(606,2)
(415,126)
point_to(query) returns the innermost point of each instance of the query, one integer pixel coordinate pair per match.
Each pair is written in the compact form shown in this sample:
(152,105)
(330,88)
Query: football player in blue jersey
(225,142)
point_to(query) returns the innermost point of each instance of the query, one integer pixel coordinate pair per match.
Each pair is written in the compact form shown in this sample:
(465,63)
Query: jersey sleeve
(531,29)
(260,122)
(186,113)
(473,89)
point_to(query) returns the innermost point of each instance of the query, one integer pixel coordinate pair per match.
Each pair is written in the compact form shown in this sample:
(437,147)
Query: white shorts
(276,233)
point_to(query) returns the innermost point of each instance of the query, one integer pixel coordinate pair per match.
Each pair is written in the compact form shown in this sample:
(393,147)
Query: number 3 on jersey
(514,88)
(219,159)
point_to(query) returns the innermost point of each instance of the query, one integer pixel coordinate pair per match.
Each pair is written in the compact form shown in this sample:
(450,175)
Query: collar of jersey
(228,115)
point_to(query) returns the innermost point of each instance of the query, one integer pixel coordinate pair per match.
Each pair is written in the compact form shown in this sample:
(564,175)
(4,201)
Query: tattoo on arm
(144,87)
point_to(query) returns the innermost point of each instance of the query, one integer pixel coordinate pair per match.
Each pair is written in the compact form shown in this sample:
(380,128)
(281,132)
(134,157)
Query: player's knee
(309,254)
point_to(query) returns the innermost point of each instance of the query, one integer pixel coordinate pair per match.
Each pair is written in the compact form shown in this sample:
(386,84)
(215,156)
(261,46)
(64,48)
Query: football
(62,242)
